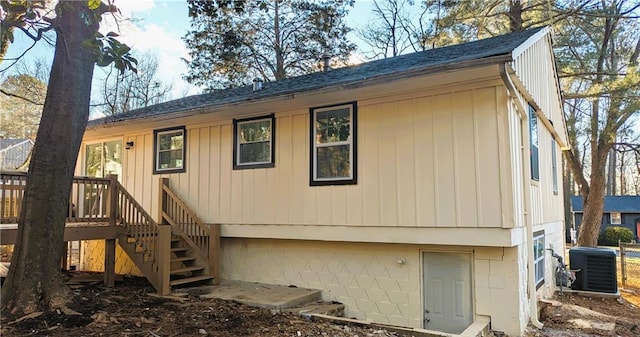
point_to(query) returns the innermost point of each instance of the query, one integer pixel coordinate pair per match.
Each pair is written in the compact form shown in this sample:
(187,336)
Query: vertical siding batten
(464,159)
(424,162)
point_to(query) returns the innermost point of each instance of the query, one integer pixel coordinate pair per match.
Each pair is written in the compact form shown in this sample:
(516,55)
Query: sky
(157,27)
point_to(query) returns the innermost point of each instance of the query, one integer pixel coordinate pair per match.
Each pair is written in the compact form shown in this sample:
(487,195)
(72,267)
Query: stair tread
(190,280)
(183,259)
(179,249)
(186,269)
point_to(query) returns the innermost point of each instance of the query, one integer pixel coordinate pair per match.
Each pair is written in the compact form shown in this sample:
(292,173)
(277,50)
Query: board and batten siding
(425,160)
(534,66)
(535,69)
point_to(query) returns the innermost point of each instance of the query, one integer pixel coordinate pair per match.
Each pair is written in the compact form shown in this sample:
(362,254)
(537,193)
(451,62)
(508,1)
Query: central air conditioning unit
(597,269)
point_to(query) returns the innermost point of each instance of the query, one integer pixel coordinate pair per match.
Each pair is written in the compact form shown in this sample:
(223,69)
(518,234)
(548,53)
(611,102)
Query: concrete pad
(270,296)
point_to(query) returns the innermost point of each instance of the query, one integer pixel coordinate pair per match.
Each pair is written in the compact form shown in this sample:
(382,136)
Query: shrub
(615,233)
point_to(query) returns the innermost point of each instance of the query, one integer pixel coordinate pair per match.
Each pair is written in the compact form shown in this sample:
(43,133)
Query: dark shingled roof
(501,45)
(618,203)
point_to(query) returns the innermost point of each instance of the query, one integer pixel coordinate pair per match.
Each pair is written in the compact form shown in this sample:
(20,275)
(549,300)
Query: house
(420,190)
(14,154)
(619,210)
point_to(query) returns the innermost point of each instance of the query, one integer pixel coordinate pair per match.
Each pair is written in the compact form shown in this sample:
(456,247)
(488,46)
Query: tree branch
(20,97)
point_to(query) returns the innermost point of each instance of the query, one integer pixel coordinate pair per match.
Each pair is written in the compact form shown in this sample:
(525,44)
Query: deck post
(110,262)
(161,199)
(112,205)
(64,262)
(164,259)
(214,252)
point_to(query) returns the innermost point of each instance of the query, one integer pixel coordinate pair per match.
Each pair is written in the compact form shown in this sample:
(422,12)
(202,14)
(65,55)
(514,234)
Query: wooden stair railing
(202,239)
(182,251)
(164,256)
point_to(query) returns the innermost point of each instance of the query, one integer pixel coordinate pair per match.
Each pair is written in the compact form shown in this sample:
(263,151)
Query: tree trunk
(34,282)
(593,201)
(515,16)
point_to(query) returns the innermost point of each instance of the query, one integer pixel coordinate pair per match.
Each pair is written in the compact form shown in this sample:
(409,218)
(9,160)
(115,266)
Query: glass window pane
(93,166)
(255,152)
(255,131)
(113,158)
(170,141)
(170,159)
(333,126)
(333,162)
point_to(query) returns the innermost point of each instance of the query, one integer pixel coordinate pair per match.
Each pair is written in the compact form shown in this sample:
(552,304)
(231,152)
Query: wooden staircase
(180,251)
(186,268)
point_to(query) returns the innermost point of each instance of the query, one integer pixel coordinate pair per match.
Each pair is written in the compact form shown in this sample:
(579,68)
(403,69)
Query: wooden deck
(181,249)
(73,231)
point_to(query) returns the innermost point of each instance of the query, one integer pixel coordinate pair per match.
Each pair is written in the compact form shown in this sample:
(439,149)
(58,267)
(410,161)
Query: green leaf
(93,4)
(112,34)
(104,61)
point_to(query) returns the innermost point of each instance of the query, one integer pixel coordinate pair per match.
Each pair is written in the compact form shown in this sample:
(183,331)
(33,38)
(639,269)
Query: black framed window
(169,150)
(254,142)
(334,144)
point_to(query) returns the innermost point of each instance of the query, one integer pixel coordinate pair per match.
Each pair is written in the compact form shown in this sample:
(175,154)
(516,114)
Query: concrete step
(270,296)
(335,309)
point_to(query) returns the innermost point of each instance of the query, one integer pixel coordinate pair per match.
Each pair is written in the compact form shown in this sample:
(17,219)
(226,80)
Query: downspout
(533,298)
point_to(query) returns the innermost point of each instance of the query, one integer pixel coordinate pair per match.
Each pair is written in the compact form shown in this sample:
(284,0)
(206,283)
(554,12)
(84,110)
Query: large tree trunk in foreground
(34,282)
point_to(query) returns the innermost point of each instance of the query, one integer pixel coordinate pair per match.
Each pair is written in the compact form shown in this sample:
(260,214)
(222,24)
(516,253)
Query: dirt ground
(130,310)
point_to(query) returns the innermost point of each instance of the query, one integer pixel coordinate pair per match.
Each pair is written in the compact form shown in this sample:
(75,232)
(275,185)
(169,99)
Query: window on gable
(616,218)
(333,145)
(533,143)
(538,257)
(254,142)
(169,150)
(554,166)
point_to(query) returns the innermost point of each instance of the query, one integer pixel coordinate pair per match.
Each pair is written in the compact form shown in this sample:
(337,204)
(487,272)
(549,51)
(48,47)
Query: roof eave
(364,82)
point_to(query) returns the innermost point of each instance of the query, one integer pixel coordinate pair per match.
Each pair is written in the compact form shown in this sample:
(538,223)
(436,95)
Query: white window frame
(156,150)
(615,218)
(539,261)
(352,142)
(237,123)
(554,166)
(534,144)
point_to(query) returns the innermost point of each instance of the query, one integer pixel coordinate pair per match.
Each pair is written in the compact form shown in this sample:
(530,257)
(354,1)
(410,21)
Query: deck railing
(94,200)
(137,223)
(204,239)
(87,201)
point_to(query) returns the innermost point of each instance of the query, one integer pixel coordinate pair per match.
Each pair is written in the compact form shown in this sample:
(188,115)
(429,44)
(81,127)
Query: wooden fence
(630,264)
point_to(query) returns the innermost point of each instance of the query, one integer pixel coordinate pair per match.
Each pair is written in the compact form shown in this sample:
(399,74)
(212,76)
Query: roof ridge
(407,64)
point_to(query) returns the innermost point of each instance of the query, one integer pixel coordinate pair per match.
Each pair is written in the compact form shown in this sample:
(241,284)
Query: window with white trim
(254,142)
(616,218)
(333,145)
(538,257)
(169,150)
(533,144)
